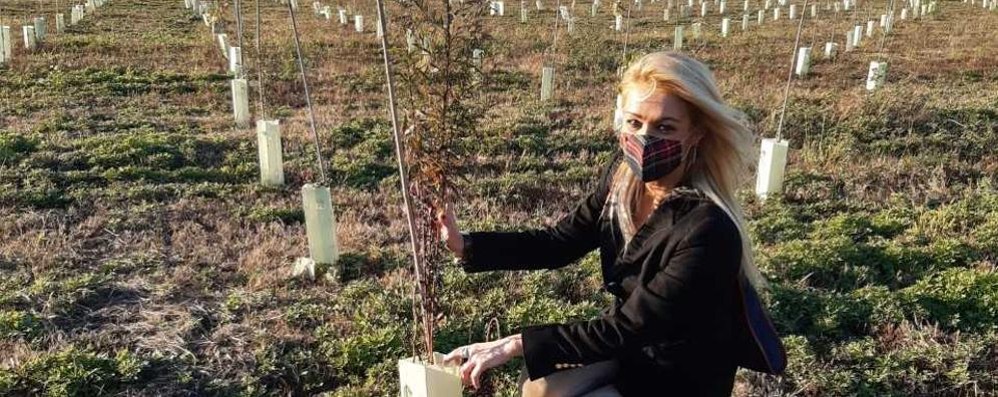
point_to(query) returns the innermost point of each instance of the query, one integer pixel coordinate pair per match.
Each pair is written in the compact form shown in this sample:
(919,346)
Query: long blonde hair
(724,150)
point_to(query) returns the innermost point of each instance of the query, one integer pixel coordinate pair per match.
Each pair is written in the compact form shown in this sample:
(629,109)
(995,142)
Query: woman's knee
(536,388)
(569,383)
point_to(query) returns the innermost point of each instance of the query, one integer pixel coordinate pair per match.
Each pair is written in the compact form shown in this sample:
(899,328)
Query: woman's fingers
(454,355)
(466,371)
(457,355)
(476,375)
(446,213)
(446,223)
(481,358)
(449,213)
(447,217)
(442,217)
(443,221)
(471,372)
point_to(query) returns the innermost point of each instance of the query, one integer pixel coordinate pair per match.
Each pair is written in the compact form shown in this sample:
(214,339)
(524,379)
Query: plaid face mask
(651,157)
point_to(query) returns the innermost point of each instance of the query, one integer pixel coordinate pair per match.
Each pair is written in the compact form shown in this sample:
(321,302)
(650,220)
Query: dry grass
(189,276)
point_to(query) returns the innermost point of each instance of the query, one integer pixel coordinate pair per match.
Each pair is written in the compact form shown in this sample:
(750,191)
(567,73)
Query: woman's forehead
(657,104)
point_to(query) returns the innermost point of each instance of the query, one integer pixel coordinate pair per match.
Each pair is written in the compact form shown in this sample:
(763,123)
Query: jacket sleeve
(657,310)
(552,247)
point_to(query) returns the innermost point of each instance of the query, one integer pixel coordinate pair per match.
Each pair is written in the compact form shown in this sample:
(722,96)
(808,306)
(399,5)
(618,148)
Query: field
(139,255)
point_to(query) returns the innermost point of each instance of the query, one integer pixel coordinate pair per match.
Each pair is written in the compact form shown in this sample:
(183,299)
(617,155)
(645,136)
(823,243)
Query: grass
(141,256)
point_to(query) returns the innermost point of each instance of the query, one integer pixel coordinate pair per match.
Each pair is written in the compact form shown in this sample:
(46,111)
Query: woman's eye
(634,124)
(666,128)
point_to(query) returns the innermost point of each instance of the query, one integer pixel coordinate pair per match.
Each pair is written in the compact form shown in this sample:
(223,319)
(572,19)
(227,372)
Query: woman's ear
(696,135)
(690,157)
(692,145)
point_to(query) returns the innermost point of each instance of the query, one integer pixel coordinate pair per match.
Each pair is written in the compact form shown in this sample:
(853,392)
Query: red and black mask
(651,157)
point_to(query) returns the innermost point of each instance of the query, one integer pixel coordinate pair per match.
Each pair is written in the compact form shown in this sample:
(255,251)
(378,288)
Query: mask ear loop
(691,159)
(691,156)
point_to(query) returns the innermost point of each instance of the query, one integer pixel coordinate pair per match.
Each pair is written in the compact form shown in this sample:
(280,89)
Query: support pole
(403,173)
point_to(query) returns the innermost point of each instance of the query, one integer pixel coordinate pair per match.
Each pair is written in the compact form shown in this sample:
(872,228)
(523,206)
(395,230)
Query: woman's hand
(449,233)
(485,356)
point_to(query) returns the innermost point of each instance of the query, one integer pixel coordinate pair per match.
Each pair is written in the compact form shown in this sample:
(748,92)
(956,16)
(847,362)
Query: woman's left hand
(485,356)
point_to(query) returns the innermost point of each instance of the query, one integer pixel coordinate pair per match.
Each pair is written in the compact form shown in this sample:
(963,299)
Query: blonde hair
(724,150)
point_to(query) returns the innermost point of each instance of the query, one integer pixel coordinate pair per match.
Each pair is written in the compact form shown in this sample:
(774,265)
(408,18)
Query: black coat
(684,317)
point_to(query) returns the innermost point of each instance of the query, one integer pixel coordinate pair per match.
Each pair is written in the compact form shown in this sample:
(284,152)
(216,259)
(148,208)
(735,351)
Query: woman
(673,251)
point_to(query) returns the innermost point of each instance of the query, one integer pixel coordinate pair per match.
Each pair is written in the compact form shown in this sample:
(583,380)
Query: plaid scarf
(622,198)
(625,190)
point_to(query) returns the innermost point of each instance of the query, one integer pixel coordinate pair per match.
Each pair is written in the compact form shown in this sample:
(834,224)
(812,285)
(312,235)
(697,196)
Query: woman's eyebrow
(660,119)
